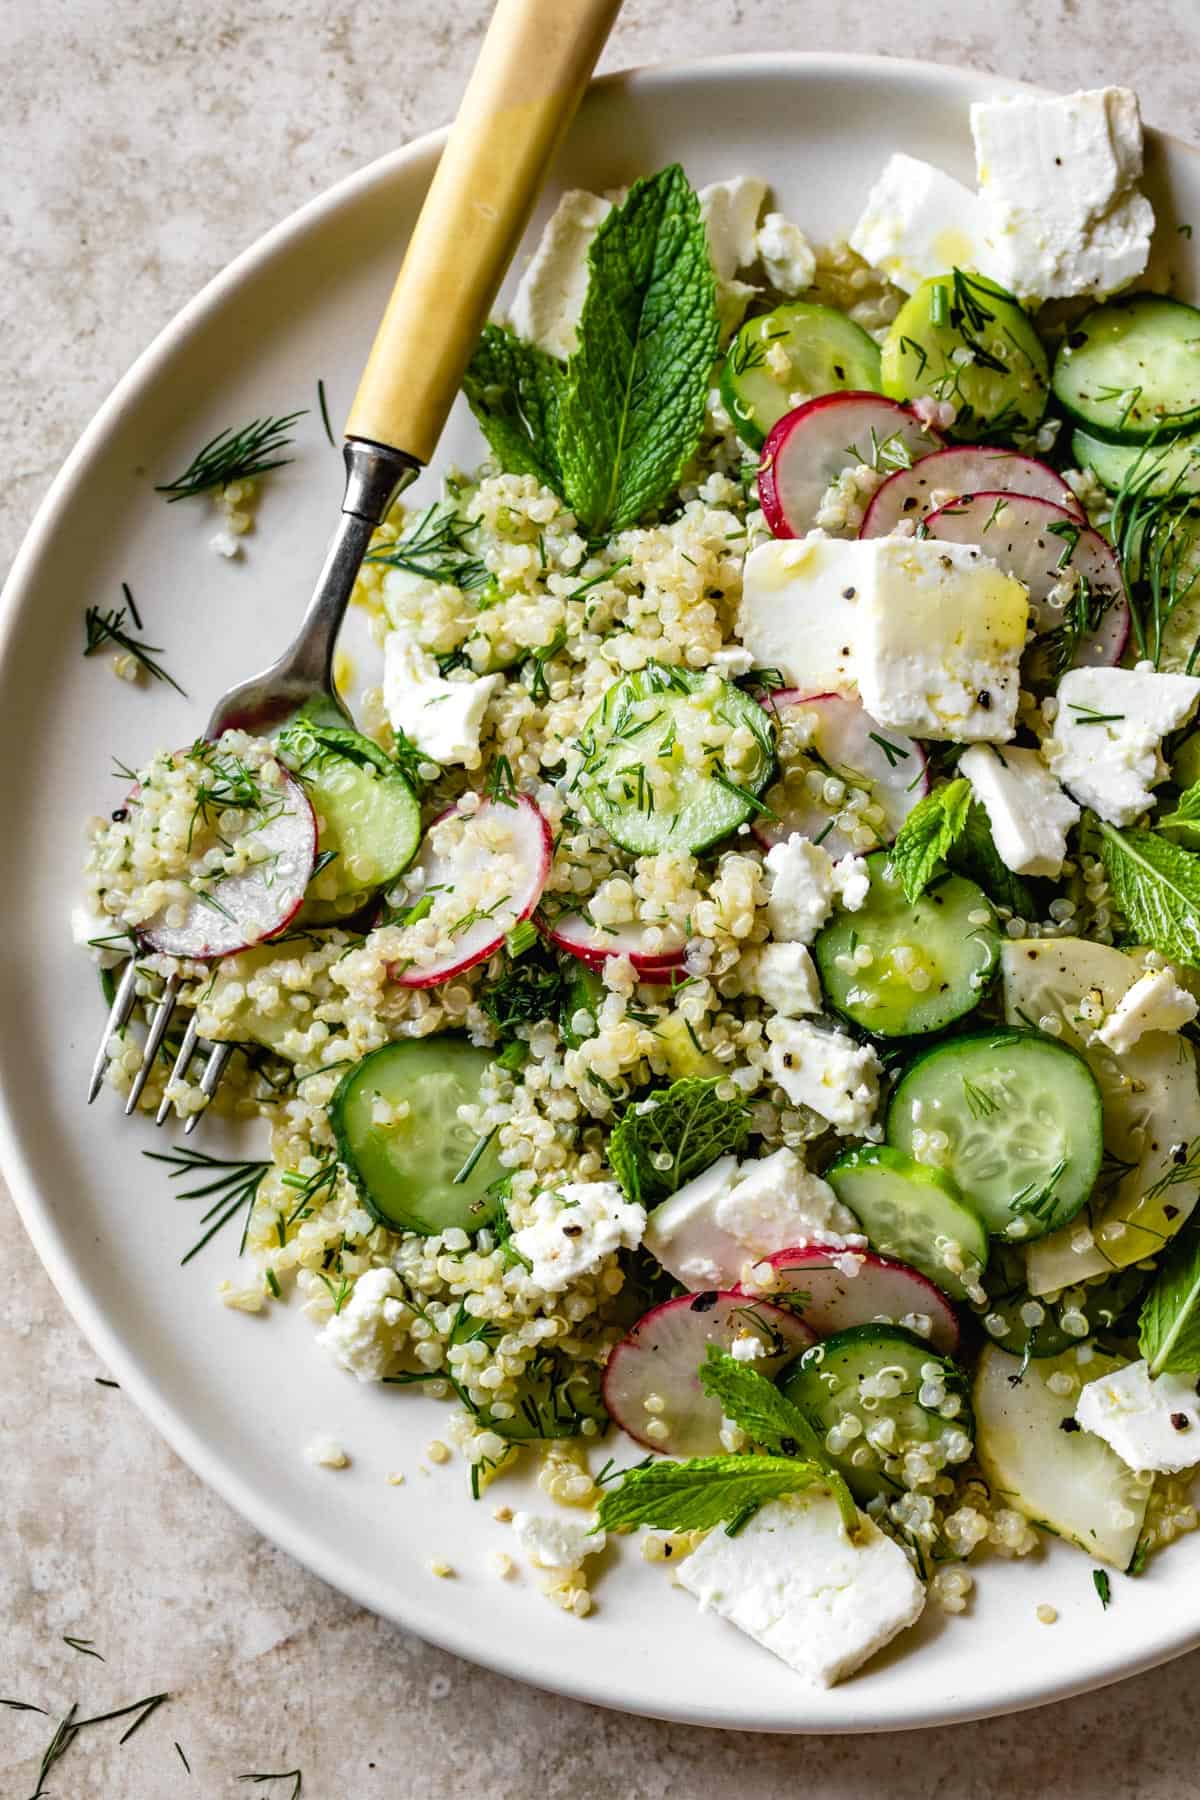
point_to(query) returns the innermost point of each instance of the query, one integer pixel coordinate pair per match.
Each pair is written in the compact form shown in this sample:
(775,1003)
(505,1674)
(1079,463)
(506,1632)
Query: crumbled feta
(787,256)
(444,718)
(730,661)
(918,221)
(1059,210)
(1155,1002)
(799,611)
(748,1347)
(1151,1422)
(794,1581)
(365,1335)
(732,1216)
(1108,726)
(573,1229)
(827,1071)
(89,927)
(851,882)
(941,631)
(555,1543)
(785,977)
(730,212)
(549,298)
(801,896)
(1027,810)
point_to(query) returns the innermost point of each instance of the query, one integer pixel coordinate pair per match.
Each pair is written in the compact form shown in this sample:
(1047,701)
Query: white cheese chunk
(365,1336)
(730,212)
(917,221)
(787,256)
(710,1233)
(730,661)
(851,882)
(1059,210)
(1155,1002)
(794,1581)
(828,1072)
(557,1543)
(1150,1423)
(443,718)
(1027,810)
(549,299)
(800,609)
(574,1228)
(1108,725)
(941,631)
(785,977)
(801,896)
(91,927)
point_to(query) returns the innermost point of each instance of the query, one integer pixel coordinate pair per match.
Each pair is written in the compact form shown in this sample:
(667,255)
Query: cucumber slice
(782,358)
(1130,367)
(418,1174)
(1068,1482)
(1173,466)
(912,1212)
(369,819)
(556,1398)
(658,770)
(1185,764)
(932,959)
(1024,1124)
(1028,1326)
(899,1393)
(962,338)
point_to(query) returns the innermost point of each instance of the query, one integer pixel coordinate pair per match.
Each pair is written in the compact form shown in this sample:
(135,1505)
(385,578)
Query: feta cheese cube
(549,298)
(730,661)
(918,221)
(557,1543)
(828,1072)
(800,608)
(365,1336)
(1155,1002)
(787,256)
(851,882)
(443,718)
(573,1229)
(1150,1423)
(1106,734)
(730,212)
(794,1581)
(801,896)
(1027,810)
(785,976)
(1059,211)
(941,631)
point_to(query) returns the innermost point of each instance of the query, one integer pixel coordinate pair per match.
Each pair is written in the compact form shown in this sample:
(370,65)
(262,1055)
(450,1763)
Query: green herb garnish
(927,835)
(234,456)
(102,628)
(659,1144)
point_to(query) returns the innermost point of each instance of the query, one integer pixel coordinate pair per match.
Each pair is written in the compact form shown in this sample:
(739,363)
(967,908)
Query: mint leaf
(1157,887)
(771,1420)
(927,834)
(633,407)
(975,855)
(1169,1326)
(708,1490)
(515,392)
(1186,817)
(686,1123)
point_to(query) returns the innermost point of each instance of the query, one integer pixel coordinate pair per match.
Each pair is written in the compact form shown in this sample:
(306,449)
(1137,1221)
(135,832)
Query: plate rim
(37,1216)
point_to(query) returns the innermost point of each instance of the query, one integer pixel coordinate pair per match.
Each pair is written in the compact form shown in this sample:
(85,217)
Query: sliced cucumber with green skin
(1157,468)
(1027,1326)
(912,1212)
(1132,367)
(882,1376)
(369,819)
(427,1172)
(555,1397)
(654,773)
(963,339)
(932,959)
(825,353)
(1065,1480)
(1023,1123)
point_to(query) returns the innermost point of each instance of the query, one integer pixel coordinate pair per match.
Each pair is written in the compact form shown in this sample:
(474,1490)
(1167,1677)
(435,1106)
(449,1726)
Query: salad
(725,1012)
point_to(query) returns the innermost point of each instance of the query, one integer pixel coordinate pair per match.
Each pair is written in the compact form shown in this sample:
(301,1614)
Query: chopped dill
(102,628)
(235,1183)
(234,456)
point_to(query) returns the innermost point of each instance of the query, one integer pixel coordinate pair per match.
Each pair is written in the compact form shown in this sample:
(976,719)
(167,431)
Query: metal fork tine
(214,1068)
(187,1050)
(119,1011)
(154,1038)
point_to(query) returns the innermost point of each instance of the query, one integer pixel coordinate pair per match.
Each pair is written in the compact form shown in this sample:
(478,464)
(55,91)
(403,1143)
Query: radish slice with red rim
(654,951)
(483,872)
(832,1290)
(809,448)
(964,469)
(885,765)
(1044,546)
(652,1384)
(239,910)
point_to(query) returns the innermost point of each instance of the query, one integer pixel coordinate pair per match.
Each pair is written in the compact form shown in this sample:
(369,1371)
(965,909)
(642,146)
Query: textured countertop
(141,148)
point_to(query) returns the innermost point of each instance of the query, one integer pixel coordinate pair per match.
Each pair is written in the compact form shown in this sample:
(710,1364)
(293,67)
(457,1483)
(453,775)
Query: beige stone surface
(140,148)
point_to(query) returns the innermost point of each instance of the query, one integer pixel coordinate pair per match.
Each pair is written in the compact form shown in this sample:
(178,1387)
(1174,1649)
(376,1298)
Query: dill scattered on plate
(102,628)
(235,1183)
(234,456)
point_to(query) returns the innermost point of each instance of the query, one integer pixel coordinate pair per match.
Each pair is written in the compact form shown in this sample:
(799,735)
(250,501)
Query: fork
(531,73)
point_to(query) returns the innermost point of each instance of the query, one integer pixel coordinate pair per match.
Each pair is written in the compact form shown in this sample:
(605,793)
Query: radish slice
(652,1381)
(1042,545)
(485,871)
(808,449)
(814,1285)
(863,754)
(261,902)
(966,469)
(594,944)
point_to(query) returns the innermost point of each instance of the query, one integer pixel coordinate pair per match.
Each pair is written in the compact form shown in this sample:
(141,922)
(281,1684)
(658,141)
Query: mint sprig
(1186,816)
(1169,1325)
(515,391)
(1157,887)
(706,1491)
(975,855)
(927,835)
(772,1421)
(660,1144)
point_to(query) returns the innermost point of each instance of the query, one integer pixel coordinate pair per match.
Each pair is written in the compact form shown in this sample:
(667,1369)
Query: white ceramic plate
(240,1397)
